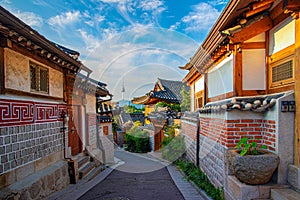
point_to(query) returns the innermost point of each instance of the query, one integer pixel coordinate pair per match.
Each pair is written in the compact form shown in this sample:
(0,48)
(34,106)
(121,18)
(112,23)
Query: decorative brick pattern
(14,112)
(27,143)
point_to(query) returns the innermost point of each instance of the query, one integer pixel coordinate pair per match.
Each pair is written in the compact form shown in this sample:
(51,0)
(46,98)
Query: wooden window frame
(278,58)
(37,70)
(199,95)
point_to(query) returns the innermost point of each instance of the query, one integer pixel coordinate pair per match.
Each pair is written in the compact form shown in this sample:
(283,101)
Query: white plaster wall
(56,82)
(109,125)
(282,36)
(254,71)
(199,85)
(17,74)
(90,103)
(192,94)
(258,38)
(220,78)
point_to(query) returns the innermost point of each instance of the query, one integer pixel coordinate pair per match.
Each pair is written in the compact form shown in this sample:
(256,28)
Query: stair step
(284,194)
(85,169)
(97,170)
(83,160)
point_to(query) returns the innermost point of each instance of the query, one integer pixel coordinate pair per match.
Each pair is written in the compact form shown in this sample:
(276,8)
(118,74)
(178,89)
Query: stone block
(294,176)
(238,190)
(24,171)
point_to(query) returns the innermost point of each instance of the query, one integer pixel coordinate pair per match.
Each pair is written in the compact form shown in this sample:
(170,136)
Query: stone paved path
(135,176)
(139,178)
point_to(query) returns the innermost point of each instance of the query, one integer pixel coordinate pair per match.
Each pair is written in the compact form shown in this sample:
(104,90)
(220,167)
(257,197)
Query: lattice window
(39,78)
(283,71)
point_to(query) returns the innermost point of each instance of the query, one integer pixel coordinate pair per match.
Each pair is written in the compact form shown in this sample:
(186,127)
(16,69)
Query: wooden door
(74,131)
(158,137)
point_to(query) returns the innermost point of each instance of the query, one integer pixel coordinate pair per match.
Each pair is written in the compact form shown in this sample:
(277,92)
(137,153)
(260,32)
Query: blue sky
(132,40)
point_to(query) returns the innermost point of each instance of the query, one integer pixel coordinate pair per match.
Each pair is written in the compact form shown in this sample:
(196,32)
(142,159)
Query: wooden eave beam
(252,30)
(258,10)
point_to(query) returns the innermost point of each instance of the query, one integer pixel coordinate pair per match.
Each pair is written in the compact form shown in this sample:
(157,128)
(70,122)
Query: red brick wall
(229,132)
(189,130)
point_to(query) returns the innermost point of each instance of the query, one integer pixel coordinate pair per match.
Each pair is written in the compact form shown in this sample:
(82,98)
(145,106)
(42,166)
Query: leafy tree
(186,100)
(172,106)
(133,109)
(137,140)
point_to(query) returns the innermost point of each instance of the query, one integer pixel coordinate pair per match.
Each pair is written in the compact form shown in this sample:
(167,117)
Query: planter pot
(253,169)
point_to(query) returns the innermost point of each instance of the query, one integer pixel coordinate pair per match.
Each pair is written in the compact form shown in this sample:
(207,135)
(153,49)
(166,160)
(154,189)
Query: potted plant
(252,164)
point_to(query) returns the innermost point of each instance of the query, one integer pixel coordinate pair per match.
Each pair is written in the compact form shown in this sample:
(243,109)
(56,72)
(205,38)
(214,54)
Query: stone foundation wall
(39,185)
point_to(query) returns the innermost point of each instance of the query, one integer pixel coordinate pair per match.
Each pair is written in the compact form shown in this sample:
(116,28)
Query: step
(86,169)
(83,160)
(284,194)
(97,170)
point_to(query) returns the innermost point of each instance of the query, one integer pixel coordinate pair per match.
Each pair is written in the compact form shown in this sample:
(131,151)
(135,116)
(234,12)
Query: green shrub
(137,141)
(200,179)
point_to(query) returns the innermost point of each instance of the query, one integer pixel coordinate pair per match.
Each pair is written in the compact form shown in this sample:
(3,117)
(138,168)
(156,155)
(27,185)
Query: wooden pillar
(297,94)
(237,72)
(2,76)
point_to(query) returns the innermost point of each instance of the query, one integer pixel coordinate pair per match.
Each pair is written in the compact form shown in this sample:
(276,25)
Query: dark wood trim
(252,30)
(267,61)
(253,92)
(281,89)
(28,94)
(237,73)
(205,88)
(253,45)
(221,97)
(2,71)
(297,94)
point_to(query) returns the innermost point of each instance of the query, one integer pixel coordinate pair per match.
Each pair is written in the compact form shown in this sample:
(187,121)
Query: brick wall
(92,130)
(189,131)
(20,145)
(218,133)
(229,132)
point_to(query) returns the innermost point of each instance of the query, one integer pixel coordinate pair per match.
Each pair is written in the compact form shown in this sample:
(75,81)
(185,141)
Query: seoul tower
(123,90)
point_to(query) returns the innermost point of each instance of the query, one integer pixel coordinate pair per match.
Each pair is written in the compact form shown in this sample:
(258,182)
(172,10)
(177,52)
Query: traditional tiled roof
(91,85)
(164,90)
(255,104)
(23,35)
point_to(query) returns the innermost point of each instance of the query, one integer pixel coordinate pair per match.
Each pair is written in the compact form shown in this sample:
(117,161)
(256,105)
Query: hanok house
(36,88)
(88,95)
(242,81)
(164,91)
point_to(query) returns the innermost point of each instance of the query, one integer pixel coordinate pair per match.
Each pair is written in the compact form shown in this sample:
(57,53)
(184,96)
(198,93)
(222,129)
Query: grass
(200,179)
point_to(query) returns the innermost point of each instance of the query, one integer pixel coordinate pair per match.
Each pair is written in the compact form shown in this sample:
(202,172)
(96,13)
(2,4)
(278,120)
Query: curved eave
(141,100)
(188,66)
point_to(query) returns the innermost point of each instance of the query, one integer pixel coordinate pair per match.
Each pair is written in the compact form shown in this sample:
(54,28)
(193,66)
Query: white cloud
(218,2)
(90,41)
(111,1)
(156,6)
(139,55)
(30,18)
(65,18)
(5,2)
(201,18)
